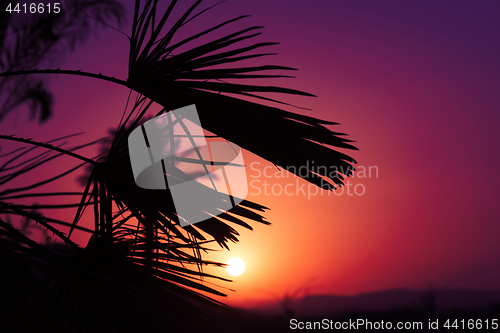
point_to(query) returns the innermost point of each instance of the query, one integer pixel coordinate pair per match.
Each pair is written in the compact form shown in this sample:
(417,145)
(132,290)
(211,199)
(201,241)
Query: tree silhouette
(140,270)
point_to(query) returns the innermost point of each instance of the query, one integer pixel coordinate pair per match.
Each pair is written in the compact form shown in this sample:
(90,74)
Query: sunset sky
(414,83)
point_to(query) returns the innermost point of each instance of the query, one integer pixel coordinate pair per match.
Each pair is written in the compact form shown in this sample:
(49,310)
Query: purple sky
(416,84)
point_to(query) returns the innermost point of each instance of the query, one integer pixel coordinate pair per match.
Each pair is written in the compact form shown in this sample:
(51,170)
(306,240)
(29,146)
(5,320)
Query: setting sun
(236,266)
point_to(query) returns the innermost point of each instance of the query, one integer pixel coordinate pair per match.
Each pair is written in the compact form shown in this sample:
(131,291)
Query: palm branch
(140,267)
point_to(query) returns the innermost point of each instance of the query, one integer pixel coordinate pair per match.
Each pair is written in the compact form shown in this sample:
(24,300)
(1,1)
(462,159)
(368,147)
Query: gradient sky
(414,83)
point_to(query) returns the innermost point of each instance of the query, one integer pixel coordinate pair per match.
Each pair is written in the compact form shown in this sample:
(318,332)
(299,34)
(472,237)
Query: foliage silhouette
(46,44)
(140,270)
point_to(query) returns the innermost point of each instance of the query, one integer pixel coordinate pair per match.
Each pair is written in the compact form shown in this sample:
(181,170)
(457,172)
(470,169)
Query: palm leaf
(284,138)
(140,270)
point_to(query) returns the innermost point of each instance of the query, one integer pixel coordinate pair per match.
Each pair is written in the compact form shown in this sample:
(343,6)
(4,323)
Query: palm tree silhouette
(140,270)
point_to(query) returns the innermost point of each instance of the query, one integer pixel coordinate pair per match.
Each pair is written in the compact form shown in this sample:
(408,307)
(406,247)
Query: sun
(236,266)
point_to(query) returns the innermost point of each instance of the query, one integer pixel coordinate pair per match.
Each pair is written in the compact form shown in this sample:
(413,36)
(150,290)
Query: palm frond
(194,76)
(141,271)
